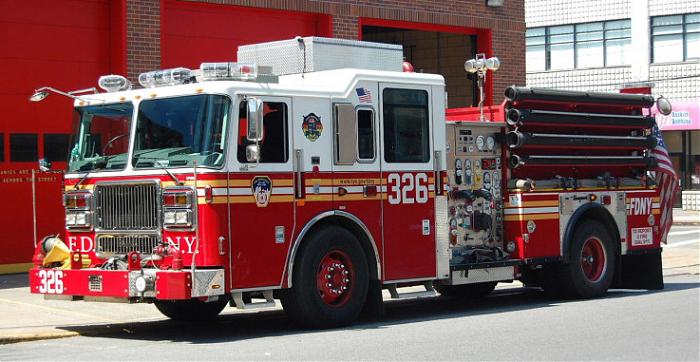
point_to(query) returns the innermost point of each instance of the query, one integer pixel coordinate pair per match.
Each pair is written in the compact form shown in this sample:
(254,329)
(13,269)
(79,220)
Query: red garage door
(60,43)
(193,33)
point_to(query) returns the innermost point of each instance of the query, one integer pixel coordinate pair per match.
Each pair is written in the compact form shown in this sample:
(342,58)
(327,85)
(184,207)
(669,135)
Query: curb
(27,337)
(686,223)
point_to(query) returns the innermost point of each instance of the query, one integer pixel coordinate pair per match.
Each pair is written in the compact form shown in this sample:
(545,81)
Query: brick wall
(507,26)
(142,36)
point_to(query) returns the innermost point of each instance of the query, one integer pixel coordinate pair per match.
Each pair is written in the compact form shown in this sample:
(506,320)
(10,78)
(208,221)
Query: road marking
(686,232)
(682,243)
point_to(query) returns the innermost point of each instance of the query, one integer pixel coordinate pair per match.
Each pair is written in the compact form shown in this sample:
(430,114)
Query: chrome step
(238,302)
(429,292)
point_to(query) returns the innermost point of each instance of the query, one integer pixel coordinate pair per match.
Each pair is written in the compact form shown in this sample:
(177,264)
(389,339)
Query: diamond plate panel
(208,283)
(287,56)
(503,273)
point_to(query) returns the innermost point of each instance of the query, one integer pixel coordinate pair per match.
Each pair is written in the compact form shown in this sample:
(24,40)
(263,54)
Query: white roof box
(289,57)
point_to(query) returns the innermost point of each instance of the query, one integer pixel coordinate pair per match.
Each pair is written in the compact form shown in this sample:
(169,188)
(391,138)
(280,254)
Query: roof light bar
(228,70)
(163,77)
(114,83)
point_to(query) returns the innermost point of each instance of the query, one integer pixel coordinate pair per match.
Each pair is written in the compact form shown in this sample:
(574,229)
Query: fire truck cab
(315,171)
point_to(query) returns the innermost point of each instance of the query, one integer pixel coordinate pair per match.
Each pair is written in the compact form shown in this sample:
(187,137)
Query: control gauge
(480,143)
(490,143)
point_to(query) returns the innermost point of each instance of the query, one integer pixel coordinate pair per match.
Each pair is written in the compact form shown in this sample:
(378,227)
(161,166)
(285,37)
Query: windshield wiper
(96,167)
(75,187)
(177,181)
(162,167)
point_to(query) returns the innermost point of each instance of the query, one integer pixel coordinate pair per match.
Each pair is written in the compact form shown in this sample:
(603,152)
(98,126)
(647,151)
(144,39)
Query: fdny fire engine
(316,172)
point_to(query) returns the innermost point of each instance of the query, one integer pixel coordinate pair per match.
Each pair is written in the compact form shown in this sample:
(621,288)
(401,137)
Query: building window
(588,45)
(56,147)
(560,46)
(23,147)
(675,38)
(535,50)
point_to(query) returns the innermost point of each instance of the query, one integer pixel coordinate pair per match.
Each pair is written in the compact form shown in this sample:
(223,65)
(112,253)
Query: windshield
(176,132)
(101,137)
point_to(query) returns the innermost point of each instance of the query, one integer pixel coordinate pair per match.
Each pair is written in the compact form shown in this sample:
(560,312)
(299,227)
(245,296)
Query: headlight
(79,219)
(177,218)
(178,203)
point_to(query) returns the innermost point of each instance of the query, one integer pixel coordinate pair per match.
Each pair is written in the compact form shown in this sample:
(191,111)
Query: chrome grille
(123,244)
(127,207)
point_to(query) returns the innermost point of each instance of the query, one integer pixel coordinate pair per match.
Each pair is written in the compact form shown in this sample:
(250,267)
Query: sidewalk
(25,316)
(686,217)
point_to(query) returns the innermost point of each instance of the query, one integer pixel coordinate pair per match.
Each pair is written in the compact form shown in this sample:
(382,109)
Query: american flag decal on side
(364,94)
(667,182)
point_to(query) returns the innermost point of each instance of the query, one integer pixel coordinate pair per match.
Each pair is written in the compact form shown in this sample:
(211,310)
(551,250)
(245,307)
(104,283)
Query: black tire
(467,291)
(317,305)
(192,310)
(589,272)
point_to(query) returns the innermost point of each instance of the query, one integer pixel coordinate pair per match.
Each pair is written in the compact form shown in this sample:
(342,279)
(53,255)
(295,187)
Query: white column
(641,42)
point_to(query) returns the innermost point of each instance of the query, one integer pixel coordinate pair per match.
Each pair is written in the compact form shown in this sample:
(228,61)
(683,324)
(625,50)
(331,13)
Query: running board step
(429,292)
(240,304)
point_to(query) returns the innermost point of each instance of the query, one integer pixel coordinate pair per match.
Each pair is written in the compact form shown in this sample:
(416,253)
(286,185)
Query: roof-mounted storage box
(312,54)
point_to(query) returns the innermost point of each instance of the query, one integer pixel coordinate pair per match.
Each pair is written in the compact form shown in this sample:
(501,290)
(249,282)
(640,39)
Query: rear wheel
(470,291)
(330,280)
(192,310)
(590,270)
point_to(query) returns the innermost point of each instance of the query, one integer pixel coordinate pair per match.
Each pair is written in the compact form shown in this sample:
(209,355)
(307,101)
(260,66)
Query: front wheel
(591,267)
(330,280)
(191,310)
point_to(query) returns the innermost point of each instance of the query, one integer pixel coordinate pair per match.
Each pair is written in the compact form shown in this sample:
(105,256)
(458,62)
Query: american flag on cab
(364,95)
(666,181)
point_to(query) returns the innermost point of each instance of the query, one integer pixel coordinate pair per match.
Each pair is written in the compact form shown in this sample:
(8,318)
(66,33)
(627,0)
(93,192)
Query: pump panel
(475,182)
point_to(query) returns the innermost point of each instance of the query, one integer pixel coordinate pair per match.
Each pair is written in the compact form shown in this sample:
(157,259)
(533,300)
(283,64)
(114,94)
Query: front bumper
(122,284)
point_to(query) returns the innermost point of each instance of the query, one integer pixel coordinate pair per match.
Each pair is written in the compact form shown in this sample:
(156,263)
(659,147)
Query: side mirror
(252,153)
(255,119)
(44,165)
(664,106)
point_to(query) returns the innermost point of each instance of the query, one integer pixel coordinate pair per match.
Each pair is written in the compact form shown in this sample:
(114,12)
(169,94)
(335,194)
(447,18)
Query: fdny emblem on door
(262,190)
(312,127)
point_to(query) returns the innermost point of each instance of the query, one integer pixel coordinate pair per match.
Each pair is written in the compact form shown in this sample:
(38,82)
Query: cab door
(407,175)
(261,197)
(357,168)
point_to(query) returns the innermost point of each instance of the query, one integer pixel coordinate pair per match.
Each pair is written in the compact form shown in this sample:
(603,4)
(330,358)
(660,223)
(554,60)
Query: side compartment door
(408,211)
(261,197)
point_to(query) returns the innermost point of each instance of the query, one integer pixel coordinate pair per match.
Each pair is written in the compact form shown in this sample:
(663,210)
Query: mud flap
(641,271)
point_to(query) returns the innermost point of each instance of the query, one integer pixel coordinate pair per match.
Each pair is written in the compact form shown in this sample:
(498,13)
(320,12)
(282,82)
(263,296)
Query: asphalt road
(512,324)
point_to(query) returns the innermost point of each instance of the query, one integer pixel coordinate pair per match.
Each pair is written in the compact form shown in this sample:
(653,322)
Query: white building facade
(608,45)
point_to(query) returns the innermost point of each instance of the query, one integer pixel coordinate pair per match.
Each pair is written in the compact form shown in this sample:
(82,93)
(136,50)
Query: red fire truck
(315,171)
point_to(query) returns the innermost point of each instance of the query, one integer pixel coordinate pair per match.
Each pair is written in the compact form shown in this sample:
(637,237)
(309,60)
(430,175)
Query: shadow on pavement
(14,281)
(243,326)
